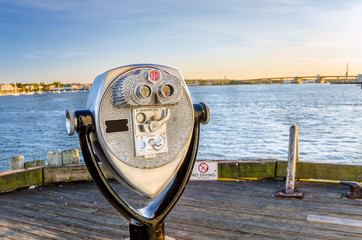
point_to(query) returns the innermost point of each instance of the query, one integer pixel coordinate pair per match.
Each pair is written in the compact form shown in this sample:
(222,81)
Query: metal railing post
(293,155)
(293,158)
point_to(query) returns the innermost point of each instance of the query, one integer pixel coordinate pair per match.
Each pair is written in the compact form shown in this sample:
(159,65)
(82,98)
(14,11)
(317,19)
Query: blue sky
(76,40)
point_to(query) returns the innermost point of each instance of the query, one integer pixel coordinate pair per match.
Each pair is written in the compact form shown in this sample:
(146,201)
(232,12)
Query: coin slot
(120,125)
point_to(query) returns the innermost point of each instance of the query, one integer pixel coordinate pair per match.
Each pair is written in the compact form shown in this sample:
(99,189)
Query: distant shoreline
(13,93)
(335,79)
(237,82)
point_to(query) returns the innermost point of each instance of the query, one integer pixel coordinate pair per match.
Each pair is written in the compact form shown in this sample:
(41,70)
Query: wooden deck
(207,210)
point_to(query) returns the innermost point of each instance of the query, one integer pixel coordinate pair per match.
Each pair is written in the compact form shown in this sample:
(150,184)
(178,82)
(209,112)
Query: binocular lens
(166,91)
(143,91)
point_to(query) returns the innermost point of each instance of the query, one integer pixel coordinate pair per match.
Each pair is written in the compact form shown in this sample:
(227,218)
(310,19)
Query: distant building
(28,87)
(50,87)
(360,78)
(72,87)
(6,87)
(86,87)
(77,86)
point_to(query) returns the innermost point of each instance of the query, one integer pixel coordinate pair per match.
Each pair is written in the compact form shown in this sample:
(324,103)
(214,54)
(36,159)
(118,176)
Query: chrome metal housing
(114,96)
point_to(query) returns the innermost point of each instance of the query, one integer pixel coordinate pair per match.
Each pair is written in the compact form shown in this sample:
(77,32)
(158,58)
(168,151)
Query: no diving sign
(204,170)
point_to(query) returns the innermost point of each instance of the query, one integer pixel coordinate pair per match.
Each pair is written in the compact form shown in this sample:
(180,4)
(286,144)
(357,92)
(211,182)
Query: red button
(154,75)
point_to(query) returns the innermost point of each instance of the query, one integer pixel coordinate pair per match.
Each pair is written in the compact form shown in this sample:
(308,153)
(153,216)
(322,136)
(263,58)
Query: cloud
(60,5)
(37,54)
(73,54)
(30,56)
(52,54)
(325,60)
(83,9)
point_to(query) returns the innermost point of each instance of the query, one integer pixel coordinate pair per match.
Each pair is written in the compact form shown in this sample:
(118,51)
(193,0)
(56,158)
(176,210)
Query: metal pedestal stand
(148,222)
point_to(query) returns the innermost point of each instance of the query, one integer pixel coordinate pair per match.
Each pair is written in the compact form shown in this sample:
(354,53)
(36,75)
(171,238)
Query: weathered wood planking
(330,171)
(206,210)
(69,173)
(334,220)
(265,168)
(20,178)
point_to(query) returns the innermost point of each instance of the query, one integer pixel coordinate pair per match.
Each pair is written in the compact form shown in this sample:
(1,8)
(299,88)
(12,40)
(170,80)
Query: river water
(248,122)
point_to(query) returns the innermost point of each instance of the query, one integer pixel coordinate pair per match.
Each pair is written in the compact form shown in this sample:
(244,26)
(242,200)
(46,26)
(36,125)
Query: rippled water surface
(248,122)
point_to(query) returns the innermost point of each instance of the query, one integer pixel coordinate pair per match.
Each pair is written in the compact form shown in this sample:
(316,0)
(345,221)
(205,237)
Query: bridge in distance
(341,79)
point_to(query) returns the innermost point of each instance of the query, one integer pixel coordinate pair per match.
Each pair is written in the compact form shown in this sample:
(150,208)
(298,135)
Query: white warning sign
(204,170)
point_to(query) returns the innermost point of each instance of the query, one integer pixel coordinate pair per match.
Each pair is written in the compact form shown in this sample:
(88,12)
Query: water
(248,122)
(33,125)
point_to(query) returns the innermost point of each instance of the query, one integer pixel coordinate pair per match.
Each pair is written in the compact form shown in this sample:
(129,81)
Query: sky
(76,40)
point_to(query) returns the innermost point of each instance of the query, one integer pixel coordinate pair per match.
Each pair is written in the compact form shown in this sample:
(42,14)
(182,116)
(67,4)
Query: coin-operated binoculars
(142,126)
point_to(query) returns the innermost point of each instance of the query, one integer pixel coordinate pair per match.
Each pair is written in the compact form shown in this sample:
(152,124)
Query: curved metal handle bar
(158,209)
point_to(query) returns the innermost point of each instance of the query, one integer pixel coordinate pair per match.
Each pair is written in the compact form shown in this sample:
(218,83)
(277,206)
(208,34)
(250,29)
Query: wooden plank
(330,233)
(69,173)
(312,207)
(67,207)
(177,228)
(306,170)
(335,220)
(279,225)
(57,211)
(34,163)
(75,232)
(206,210)
(247,168)
(12,180)
(269,206)
(267,168)
(231,198)
(66,220)
(37,231)
(9,233)
(277,234)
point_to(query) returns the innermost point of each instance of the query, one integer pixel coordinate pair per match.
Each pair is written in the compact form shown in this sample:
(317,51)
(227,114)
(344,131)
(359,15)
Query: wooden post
(34,163)
(70,157)
(297,142)
(17,162)
(54,158)
(293,157)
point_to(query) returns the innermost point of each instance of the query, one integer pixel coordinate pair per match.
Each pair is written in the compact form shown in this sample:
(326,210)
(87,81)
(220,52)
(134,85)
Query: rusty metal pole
(293,158)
